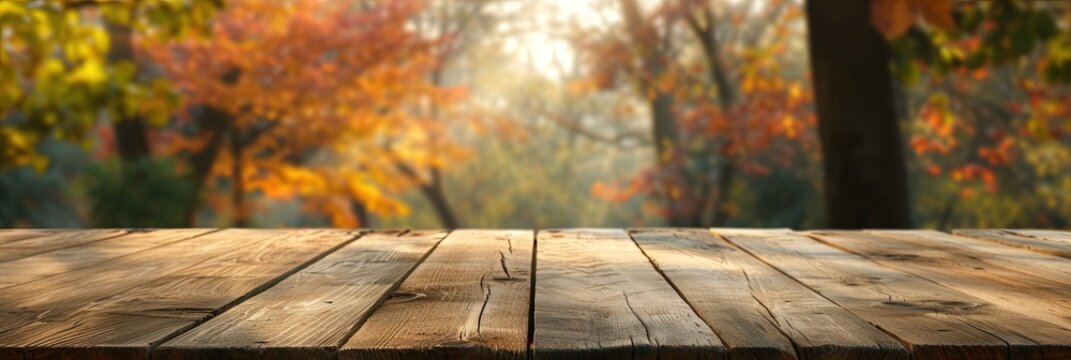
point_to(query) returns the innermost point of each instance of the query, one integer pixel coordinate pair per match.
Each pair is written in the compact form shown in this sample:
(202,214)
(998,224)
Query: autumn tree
(65,66)
(866,184)
(452,27)
(986,92)
(862,150)
(311,98)
(718,99)
(59,69)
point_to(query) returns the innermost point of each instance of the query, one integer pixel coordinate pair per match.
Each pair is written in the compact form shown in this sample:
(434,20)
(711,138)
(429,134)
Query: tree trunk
(433,191)
(726,175)
(704,28)
(131,140)
(211,123)
(865,175)
(676,190)
(680,202)
(238,208)
(361,212)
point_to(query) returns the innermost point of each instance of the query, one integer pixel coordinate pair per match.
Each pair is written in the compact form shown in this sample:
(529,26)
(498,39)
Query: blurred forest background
(510,113)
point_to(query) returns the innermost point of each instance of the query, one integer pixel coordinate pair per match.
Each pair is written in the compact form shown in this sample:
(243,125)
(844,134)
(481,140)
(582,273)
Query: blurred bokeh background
(510,113)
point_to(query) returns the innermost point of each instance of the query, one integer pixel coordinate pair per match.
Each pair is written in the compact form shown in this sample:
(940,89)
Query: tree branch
(623,139)
(77,4)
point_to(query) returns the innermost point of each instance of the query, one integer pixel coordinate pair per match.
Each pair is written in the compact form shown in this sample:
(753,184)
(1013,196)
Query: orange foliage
(327,99)
(763,120)
(894,17)
(955,136)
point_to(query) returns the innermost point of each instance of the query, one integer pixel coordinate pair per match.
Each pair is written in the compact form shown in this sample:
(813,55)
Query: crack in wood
(502,261)
(898,303)
(483,307)
(646,330)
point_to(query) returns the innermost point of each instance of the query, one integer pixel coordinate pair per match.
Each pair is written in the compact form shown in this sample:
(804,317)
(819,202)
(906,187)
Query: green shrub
(143,193)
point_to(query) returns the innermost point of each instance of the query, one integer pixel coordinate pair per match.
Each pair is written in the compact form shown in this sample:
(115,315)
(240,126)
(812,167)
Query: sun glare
(544,47)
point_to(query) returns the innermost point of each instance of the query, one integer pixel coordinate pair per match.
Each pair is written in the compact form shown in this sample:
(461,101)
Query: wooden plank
(73,258)
(999,252)
(123,306)
(8,235)
(746,231)
(1051,235)
(308,315)
(1039,244)
(1022,281)
(936,322)
(598,297)
(468,300)
(24,303)
(33,245)
(755,309)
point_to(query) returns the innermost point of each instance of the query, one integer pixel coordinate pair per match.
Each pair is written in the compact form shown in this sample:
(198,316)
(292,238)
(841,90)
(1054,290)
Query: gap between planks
(691,304)
(354,236)
(218,254)
(936,320)
(347,285)
(532,285)
(1031,283)
(598,296)
(468,299)
(758,311)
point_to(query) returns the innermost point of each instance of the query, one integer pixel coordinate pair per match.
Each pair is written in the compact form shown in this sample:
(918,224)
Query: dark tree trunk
(675,188)
(131,140)
(676,192)
(433,190)
(238,207)
(211,123)
(865,175)
(719,76)
(726,175)
(361,212)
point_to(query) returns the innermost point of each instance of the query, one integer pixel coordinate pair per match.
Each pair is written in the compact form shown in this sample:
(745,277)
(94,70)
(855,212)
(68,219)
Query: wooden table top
(517,294)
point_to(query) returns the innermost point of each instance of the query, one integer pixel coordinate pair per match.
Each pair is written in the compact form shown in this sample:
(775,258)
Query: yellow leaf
(90,72)
(10,8)
(795,93)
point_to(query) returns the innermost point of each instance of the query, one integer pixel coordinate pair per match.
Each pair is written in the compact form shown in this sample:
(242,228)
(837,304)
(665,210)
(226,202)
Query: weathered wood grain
(73,258)
(1040,244)
(21,247)
(468,300)
(9,235)
(309,314)
(755,309)
(39,300)
(123,307)
(597,296)
(936,322)
(746,231)
(1026,282)
(51,298)
(1051,235)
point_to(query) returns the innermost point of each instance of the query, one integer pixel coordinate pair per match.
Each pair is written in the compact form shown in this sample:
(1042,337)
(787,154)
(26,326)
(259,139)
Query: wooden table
(515,294)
